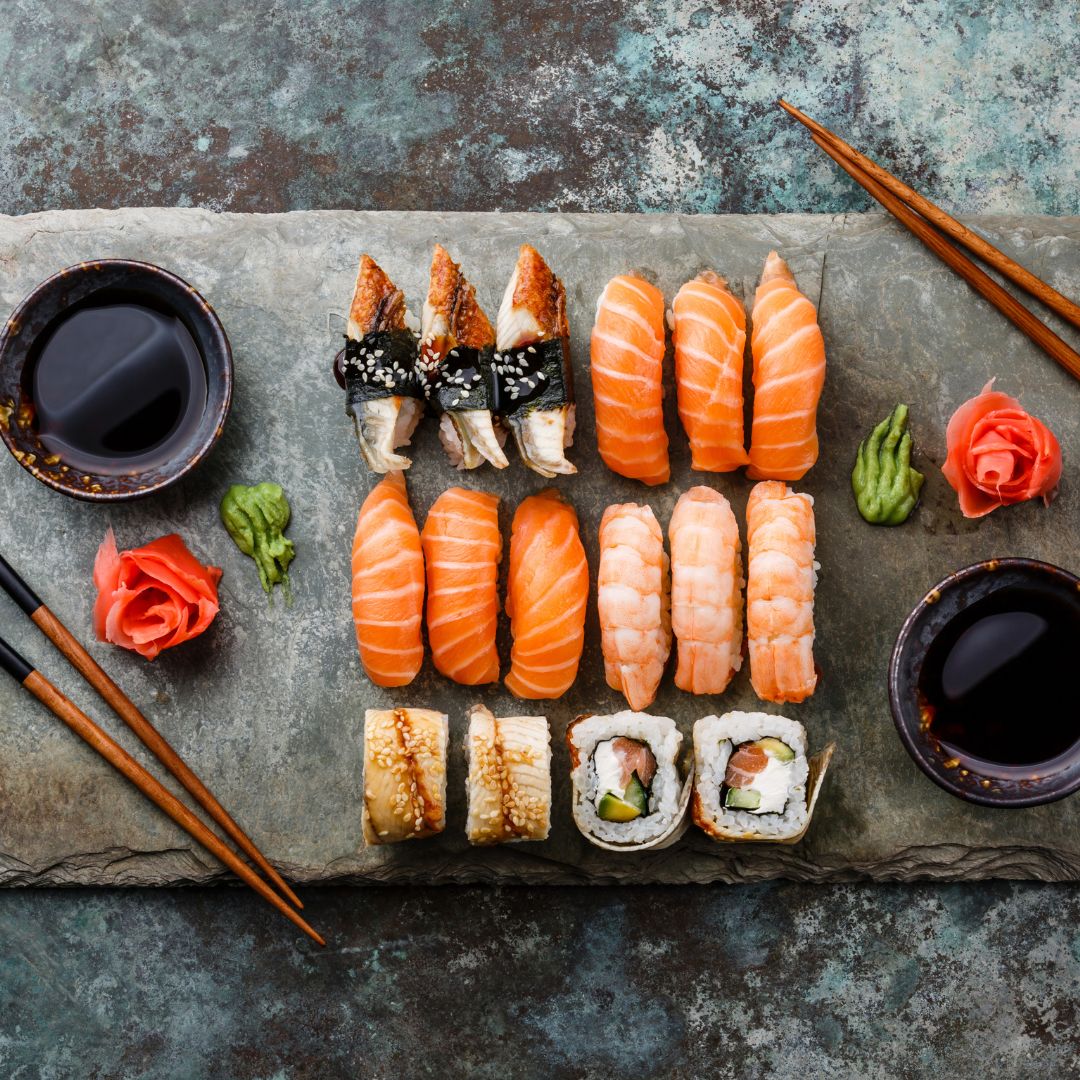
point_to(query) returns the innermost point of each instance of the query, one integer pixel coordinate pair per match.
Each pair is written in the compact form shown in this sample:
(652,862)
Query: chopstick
(982,283)
(25,674)
(125,708)
(949,225)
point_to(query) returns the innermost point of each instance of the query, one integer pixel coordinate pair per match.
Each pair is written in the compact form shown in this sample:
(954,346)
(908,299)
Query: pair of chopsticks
(903,202)
(32,680)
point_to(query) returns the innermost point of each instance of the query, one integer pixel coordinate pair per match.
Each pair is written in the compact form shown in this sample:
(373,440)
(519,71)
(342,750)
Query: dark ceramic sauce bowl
(1020,786)
(86,284)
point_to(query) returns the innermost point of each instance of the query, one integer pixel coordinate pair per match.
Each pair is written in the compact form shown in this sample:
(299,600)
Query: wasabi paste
(256,518)
(886,486)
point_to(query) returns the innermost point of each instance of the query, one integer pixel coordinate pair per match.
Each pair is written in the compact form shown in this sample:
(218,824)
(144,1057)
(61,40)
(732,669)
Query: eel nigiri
(388,585)
(634,601)
(534,377)
(781,575)
(709,334)
(382,394)
(457,345)
(627,354)
(546,594)
(462,547)
(706,591)
(789,373)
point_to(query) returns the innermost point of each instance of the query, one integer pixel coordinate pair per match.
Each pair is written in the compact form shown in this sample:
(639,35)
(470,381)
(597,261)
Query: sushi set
(561,572)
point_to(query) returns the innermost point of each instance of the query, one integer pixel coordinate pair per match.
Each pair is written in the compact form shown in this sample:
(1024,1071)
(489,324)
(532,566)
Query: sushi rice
(715,739)
(668,803)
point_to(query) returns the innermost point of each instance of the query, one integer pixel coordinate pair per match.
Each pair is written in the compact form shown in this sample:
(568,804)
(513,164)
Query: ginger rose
(998,454)
(154,597)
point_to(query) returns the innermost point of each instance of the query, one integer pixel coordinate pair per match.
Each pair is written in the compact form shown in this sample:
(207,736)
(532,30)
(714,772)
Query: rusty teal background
(663,105)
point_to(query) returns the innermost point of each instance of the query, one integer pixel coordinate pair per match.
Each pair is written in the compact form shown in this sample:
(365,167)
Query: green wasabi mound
(256,518)
(886,486)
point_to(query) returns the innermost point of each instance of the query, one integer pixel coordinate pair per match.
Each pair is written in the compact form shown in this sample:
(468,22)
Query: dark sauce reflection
(995,684)
(116,387)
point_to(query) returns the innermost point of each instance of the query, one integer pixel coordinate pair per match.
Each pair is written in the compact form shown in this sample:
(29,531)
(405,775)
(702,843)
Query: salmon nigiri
(709,334)
(388,585)
(457,347)
(382,394)
(633,597)
(627,353)
(546,594)
(462,547)
(706,591)
(534,376)
(789,372)
(781,575)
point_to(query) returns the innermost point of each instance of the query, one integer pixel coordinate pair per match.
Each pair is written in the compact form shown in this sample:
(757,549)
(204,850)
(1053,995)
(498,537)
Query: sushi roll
(404,774)
(534,379)
(382,394)
(509,782)
(628,791)
(752,776)
(454,368)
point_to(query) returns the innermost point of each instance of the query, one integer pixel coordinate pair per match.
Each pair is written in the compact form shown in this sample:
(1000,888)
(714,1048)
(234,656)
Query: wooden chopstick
(949,225)
(981,282)
(125,708)
(126,765)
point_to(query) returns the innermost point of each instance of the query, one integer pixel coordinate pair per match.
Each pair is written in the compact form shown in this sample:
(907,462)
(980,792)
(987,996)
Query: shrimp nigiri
(462,547)
(709,334)
(382,394)
(627,354)
(534,378)
(388,585)
(789,372)
(781,575)
(706,591)
(457,346)
(633,597)
(546,594)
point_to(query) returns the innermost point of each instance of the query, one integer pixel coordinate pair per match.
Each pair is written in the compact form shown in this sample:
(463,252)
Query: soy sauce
(116,387)
(996,683)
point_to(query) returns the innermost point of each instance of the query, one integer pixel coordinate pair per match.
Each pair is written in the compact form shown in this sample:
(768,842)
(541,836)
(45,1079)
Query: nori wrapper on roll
(533,376)
(462,379)
(381,365)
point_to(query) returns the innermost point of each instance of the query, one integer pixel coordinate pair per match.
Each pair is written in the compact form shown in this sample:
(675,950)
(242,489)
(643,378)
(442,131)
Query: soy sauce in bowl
(115,380)
(116,386)
(993,684)
(980,683)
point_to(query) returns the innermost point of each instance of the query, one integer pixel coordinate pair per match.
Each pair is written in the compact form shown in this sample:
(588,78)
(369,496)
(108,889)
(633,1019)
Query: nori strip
(381,365)
(537,376)
(461,369)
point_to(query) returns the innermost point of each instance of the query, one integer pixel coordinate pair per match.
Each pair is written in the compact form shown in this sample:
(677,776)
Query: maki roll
(628,791)
(752,777)
(382,394)
(404,774)
(509,782)
(454,369)
(534,379)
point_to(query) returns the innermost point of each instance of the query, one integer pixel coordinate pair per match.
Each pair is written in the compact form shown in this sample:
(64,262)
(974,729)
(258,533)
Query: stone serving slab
(268,705)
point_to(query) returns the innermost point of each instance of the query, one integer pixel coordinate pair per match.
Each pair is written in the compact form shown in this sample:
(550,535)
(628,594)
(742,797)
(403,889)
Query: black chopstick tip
(18,668)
